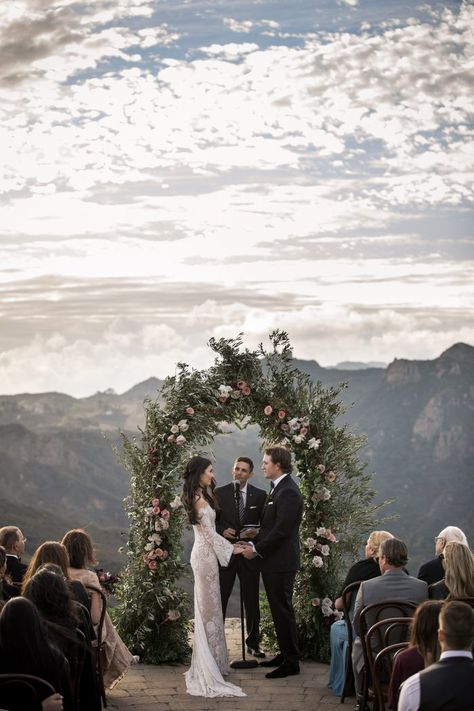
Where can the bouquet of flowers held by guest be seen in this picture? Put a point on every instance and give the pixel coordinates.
(107, 580)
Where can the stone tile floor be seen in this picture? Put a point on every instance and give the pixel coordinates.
(162, 688)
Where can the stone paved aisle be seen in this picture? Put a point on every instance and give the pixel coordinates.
(162, 688)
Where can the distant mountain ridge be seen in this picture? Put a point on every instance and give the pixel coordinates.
(57, 462)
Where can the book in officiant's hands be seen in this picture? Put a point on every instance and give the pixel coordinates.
(248, 531)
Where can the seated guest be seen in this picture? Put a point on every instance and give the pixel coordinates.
(25, 649)
(117, 657)
(394, 584)
(422, 651)
(449, 683)
(12, 539)
(7, 590)
(433, 570)
(53, 552)
(362, 570)
(458, 583)
(50, 593)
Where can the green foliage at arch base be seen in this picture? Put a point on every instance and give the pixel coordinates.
(242, 387)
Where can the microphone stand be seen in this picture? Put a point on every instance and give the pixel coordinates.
(241, 663)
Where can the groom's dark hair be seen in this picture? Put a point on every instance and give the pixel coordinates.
(281, 456)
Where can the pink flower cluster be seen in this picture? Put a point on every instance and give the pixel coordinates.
(153, 552)
(151, 558)
(233, 391)
(176, 431)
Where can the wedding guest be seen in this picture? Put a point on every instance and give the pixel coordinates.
(54, 552)
(13, 540)
(361, 570)
(49, 591)
(394, 584)
(458, 582)
(7, 590)
(25, 648)
(449, 682)
(117, 658)
(433, 570)
(422, 651)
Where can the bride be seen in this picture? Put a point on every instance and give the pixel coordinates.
(209, 660)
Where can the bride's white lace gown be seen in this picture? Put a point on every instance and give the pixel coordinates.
(210, 660)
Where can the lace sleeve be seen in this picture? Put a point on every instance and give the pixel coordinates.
(220, 545)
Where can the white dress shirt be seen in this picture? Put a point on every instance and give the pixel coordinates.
(409, 699)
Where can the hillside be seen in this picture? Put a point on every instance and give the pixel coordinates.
(56, 465)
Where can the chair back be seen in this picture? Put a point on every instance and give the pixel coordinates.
(397, 631)
(348, 595)
(98, 642)
(383, 664)
(23, 691)
(370, 616)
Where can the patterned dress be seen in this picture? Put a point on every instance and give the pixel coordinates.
(209, 660)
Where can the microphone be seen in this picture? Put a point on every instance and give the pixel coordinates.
(237, 492)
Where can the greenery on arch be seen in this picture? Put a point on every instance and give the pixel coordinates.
(243, 387)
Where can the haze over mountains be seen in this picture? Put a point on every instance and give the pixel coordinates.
(58, 469)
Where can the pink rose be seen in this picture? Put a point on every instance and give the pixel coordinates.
(170, 438)
(281, 414)
(223, 398)
(180, 439)
(268, 410)
(330, 476)
(241, 384)
(152, 565)
(246, 390)
(189, 411)
(285, 427)
(160, 553)
(303, 431)
(165, 514)
(155, 502)
(321, 468)
(315, 602)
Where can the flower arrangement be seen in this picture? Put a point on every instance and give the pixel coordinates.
(262, 388)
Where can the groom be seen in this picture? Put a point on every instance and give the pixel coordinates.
(278, 550)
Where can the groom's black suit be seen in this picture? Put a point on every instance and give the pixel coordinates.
(278, 546)
(247, 570)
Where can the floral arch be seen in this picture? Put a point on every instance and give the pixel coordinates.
(242, 387)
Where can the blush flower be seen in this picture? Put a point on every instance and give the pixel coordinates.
(189, 411)
(330, 476)
(321, 468)
(170, 438)
(246, 390)
(315, 601)
(174, 429)
(268, 409)
(318, 561)
(165, 514)
(281, 414)
(325, 550)
(173, 615)
(180, 439)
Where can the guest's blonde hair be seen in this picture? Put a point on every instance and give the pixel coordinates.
(376, 539)
(459, 576)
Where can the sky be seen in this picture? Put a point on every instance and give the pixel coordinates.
(176, 170)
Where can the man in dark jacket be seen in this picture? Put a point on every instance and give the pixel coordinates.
(12, 539)
(278, 549)
(240, 510)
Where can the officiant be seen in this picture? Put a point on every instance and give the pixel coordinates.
(238, 518)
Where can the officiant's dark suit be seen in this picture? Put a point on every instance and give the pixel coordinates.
(278, 549)
(249, 575)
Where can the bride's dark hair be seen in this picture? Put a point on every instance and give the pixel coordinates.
(192, 488)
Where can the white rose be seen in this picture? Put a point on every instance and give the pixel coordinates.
(183, 425)
(180, 439)
(325, 550)
(318, 561)
(310, 542)
(174, 429)
(325, 494)
(321, 531)
(176, 503)
(224, 389)
(298, 439)
(164, 524)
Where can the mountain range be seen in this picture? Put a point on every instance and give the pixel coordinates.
(58, 467)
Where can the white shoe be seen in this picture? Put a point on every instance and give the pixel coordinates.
(135, 659)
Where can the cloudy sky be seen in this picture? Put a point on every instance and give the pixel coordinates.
(173, 170)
